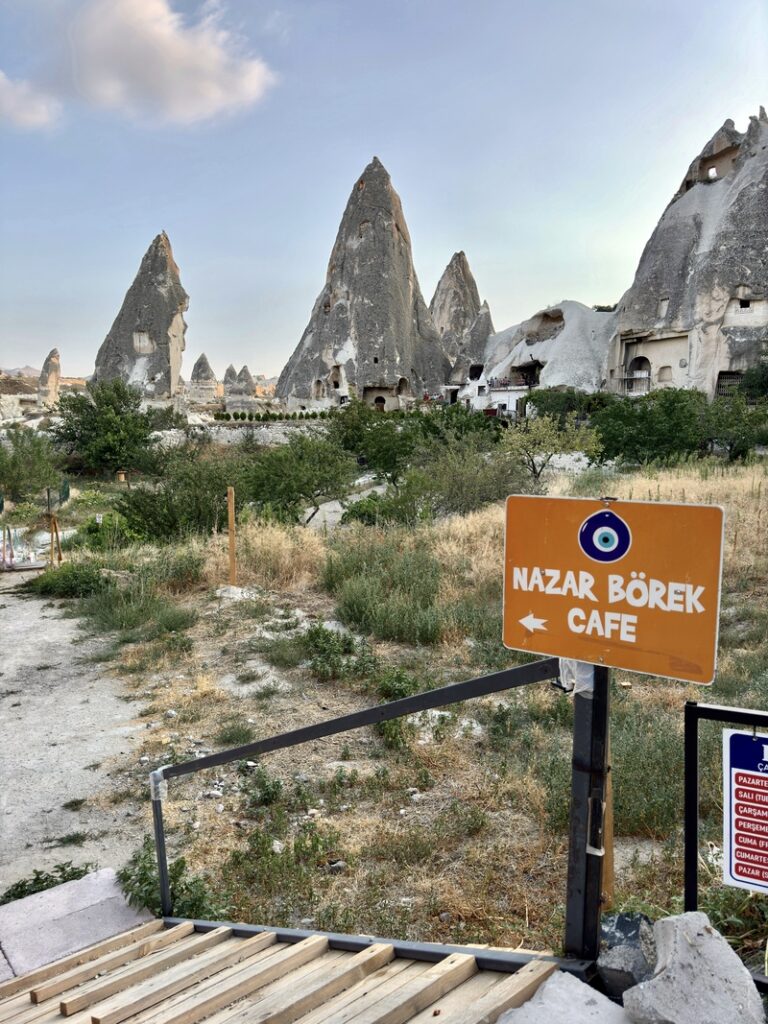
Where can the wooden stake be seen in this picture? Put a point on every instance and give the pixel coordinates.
(608, 869)
(232, 550)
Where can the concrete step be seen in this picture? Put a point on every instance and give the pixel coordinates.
(39, 929)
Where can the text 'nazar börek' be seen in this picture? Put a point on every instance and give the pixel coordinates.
(634, 590)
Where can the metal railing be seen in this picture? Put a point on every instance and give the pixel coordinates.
(694, 713)
(589, 773)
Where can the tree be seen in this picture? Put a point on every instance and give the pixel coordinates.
(298, 475)
(104, 427)
(734, 425)
(534, 442)
(662, 425)
(28, 463)
(754, 384)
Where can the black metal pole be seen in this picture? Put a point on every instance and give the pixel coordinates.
(691, 809)
(158, 787)
(586, 845)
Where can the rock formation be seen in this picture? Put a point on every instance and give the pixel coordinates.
(462, 322)
(146, 341)
(202, 383)
(50, 376)
(230, 379)
(561, 346)
(697, 312)
(246, 385)
(370, 332)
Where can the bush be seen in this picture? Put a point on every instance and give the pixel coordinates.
(70, 580)
(191, 895)
(387, 588)
(28, 463)
(663, 425)
(42, 880)
(112, 532)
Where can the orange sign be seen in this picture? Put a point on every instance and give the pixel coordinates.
(632, 584)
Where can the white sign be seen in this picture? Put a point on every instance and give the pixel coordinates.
(745, 810)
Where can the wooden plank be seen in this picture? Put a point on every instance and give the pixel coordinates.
(473, 1004)
(345, 1006)
(139, 972)
(290, 1000)
(415, 995)
(32, 978)
(179, 978)
(453, 1006)
(144, 947)
(217, 996)
(510, 993)
(33, 1013)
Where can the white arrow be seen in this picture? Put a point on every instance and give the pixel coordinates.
(532, 623)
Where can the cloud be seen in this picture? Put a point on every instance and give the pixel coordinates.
(141, 58)
(25, 106)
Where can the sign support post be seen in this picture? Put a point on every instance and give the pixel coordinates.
(587, 823)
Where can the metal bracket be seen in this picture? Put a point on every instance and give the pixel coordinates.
(158, 786)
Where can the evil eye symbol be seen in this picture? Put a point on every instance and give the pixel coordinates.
(605, 537)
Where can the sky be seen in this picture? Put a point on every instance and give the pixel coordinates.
(542, 137)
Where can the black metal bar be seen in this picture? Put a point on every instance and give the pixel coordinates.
(737, 716)
(431, 952)
(523, 675)
(157, 785)
(585, 863)
(691, 806)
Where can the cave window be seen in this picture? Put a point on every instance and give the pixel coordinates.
(379, 402)
(375, 359)
(745, 303)
(665, 374)
(476, 371)
(712, 173)
(481, 389)
(663, 307)
(403, 386)
(727, 382)
(336, 385)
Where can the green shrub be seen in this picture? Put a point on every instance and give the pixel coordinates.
(42, 880)
(28, 463)
(71, 579)
(191, 895)
(112, 532)
(235, 733)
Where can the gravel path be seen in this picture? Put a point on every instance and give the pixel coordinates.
(61, 716)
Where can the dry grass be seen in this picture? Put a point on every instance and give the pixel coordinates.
(268, 555)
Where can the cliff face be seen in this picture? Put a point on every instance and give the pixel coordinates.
(370, 327)
(145, 344)
(699, 301)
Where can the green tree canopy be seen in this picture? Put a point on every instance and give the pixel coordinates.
(662, 425)
(28, 463)
(104, 427)
(535, 441)
(733, 425)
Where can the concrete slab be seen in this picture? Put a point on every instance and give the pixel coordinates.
(49, 925)
(5, 969)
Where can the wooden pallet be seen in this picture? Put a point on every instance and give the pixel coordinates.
(158, 975)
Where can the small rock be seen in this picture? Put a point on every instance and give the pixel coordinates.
(213, 794)
(219, 808)
(143, 760)
(402, 812)
(277, 846)
(171, 714)
(195, 825)
(338, 867)
(445, 917)
(307, 922)
(313, 812)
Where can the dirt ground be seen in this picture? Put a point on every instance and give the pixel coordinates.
(63, 719)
